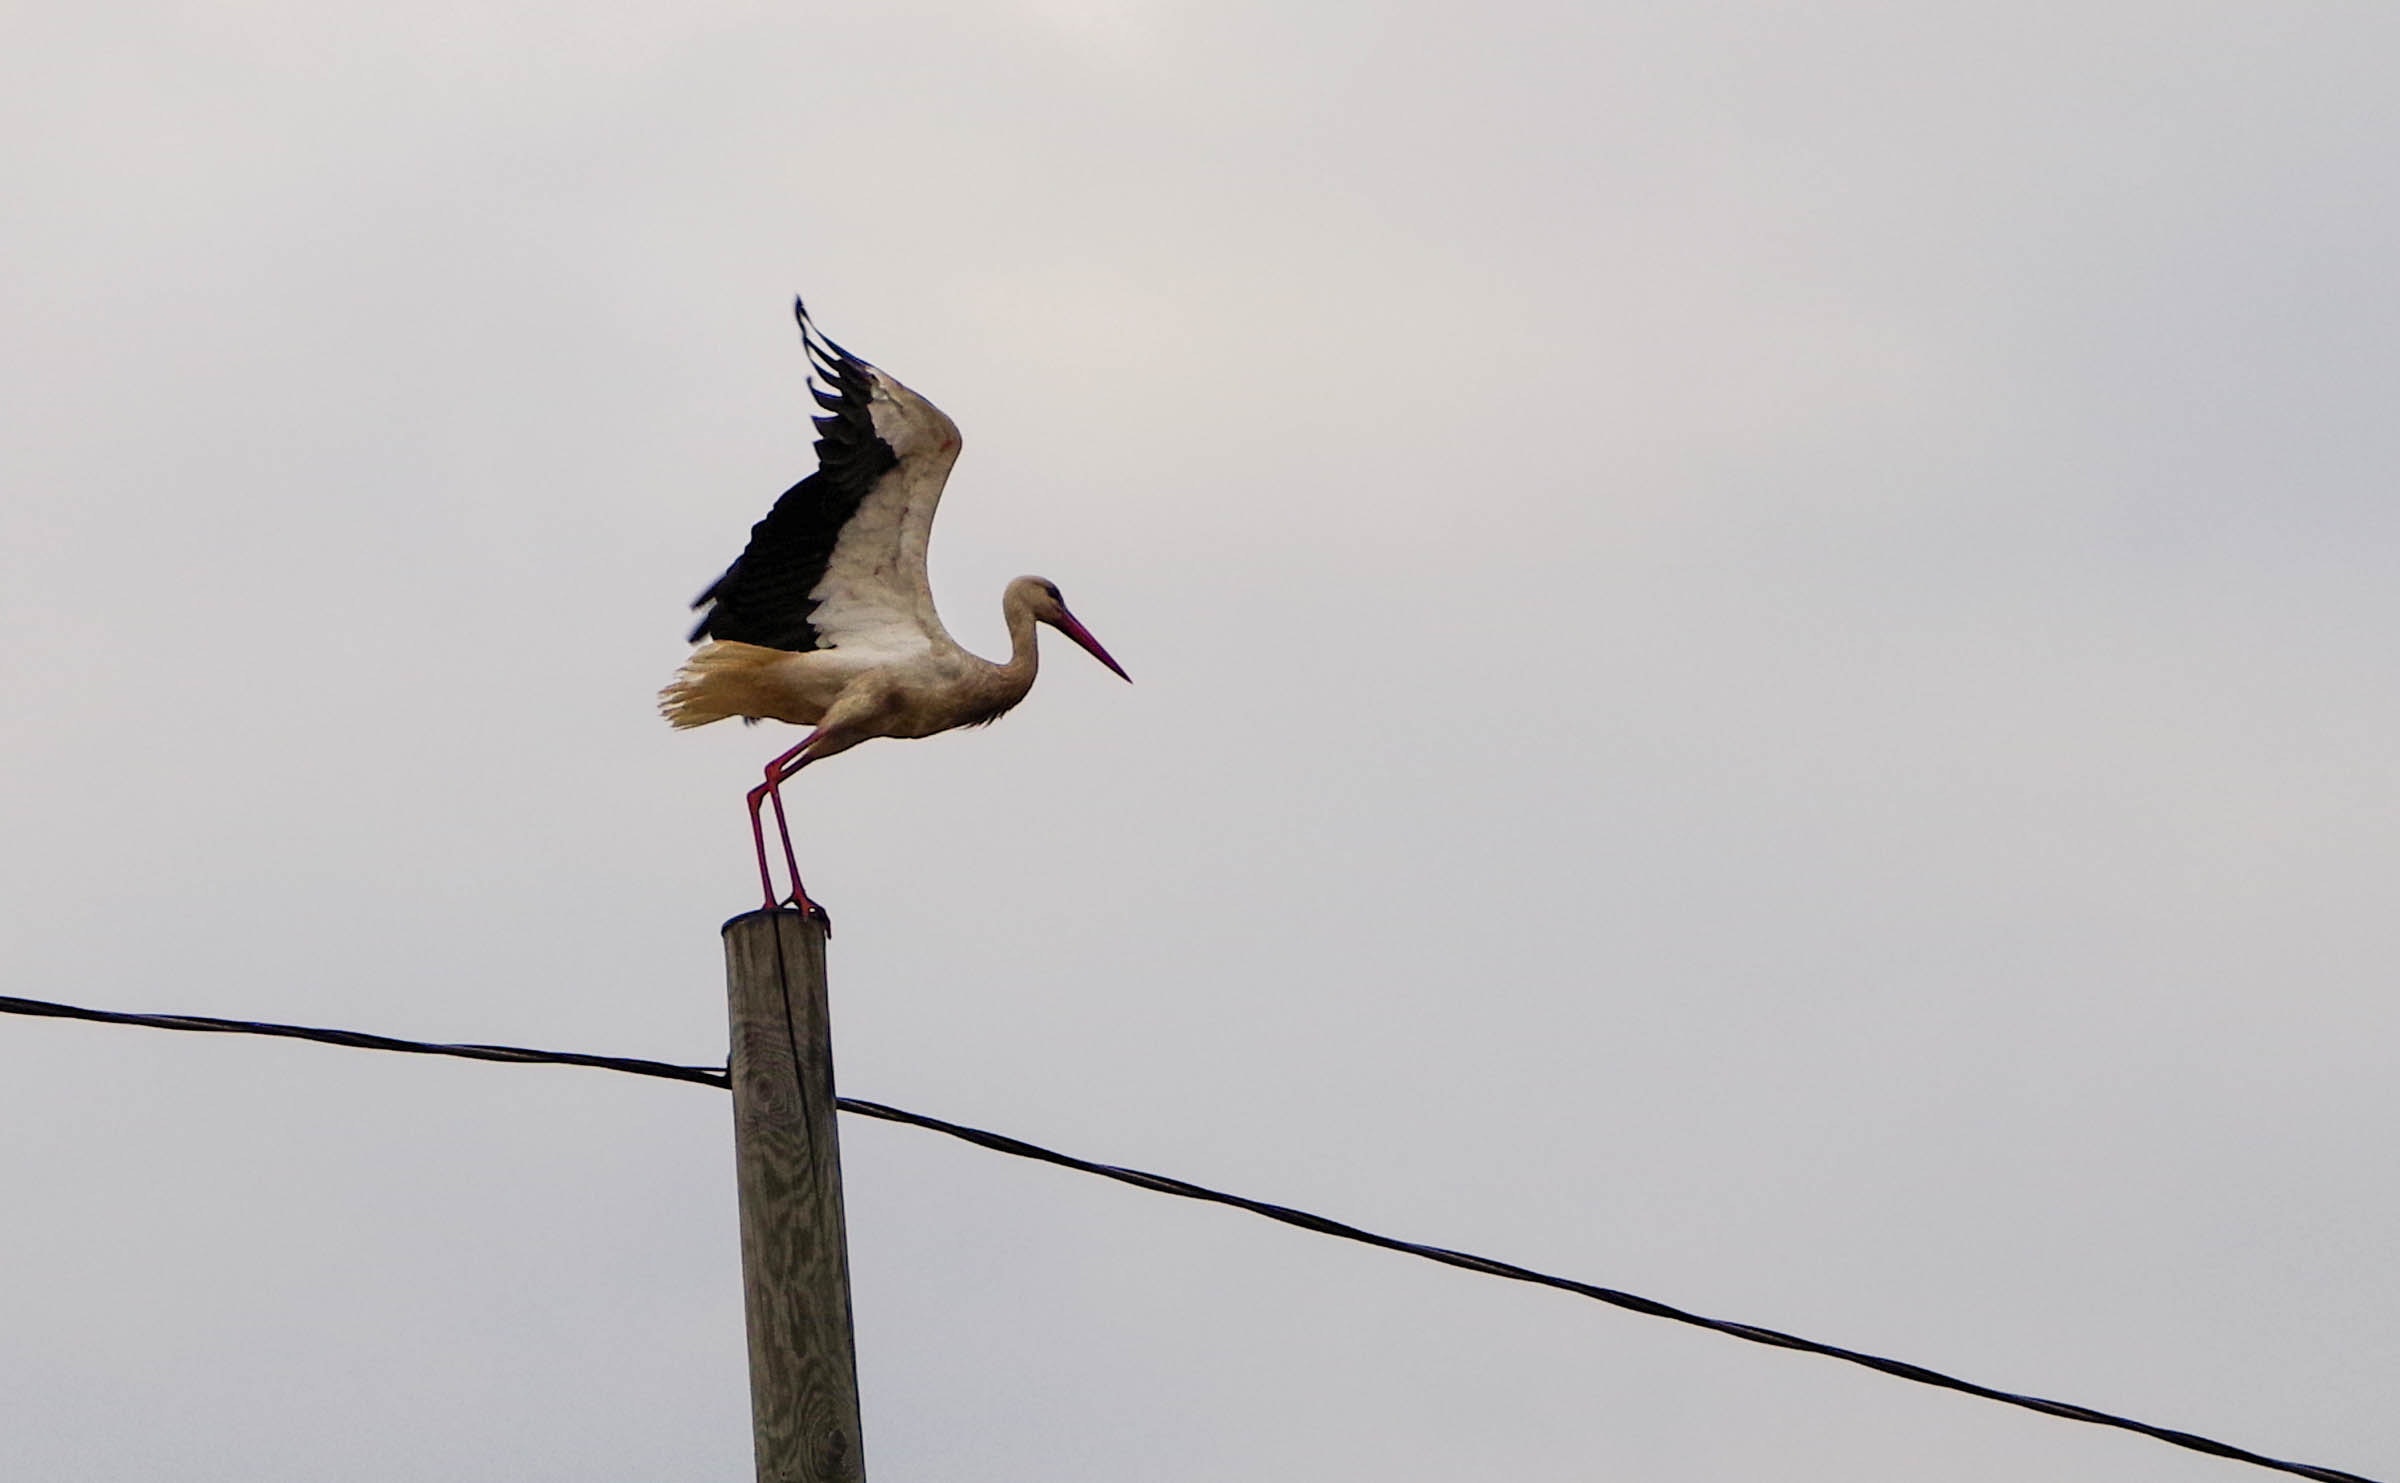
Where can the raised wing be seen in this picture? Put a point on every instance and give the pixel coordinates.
(839, 562)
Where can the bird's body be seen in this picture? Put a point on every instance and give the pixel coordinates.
(937, 688)
(827, 619)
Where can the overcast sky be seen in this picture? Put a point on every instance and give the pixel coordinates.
(1764, 649)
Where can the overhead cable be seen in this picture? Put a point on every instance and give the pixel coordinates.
(1168, 1185)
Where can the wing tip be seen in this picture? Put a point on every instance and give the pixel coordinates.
(821, 345)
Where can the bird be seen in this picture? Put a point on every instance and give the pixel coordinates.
(826, 619)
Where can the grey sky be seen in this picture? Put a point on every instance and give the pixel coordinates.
(1763, 639)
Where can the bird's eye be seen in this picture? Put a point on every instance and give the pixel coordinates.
(1052, 589)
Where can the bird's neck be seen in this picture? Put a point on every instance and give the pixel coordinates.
(1024, 654)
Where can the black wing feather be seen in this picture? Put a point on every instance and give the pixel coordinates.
(763, 597)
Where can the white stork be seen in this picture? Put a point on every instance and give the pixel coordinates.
(826, 620)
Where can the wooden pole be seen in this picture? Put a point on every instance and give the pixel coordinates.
(795, 1256)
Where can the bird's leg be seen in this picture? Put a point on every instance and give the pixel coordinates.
(777, 772)
(758, 839)
(798, 898)
(783, 830)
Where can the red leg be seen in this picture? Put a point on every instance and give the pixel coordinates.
(758, 839)
(783, 829)
(777, 773)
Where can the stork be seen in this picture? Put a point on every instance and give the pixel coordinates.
(826, 619)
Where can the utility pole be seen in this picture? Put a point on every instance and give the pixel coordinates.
(795, 1255)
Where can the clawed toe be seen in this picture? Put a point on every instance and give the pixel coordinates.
(809, 909)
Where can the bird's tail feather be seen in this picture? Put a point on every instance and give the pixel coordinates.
(720, 679)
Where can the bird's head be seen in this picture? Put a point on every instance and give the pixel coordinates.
(1040, 597)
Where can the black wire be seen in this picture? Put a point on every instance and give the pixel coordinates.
(359, 1040)
(1168, 1185)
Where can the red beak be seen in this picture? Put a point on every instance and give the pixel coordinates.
(1083, 636)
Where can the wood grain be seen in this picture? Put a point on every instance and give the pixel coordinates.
(795, 1254)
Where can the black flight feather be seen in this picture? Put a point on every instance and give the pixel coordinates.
(763, 597)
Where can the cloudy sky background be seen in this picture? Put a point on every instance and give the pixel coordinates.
(1764, 649)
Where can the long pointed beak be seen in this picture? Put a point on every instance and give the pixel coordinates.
(1083, 636)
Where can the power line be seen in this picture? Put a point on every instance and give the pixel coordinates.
(360, 1040)
(1168, 1185)
(1488, 1266)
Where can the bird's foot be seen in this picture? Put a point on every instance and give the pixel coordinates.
(807, 908)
